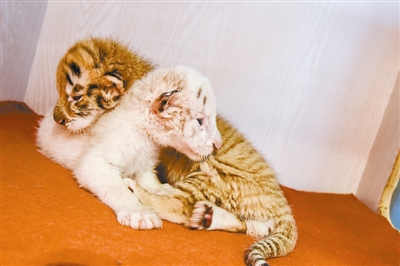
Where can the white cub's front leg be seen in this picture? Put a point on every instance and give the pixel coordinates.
(106, 183)
(207, 215)
(139, 218)
(143, 219)
(131, 184)
(135, 214)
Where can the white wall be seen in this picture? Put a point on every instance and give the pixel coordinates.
(21, 23)
(308, 83)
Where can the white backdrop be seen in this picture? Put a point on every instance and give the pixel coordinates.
(308, 83)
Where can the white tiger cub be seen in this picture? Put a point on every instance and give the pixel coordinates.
(164, 109)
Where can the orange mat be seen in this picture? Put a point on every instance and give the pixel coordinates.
(46, 219)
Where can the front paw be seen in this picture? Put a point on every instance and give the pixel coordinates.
(201, 216)
(138, 218)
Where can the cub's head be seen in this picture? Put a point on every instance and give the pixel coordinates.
(91, 78)
(184, 109)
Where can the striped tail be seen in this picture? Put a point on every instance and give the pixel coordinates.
(280, 242)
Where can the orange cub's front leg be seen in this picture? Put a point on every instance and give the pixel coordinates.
(171, 208)
(177, 208)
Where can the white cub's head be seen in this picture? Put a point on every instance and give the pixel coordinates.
(183, 108)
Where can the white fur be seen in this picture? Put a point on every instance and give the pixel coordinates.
(259, 229)
(76, 124)
(58, 143)
(125, 142)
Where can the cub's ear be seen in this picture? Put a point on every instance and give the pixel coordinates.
(110, 83)
(112, 89)
(162, 102)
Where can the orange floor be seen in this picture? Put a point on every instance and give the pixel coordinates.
(46, 219)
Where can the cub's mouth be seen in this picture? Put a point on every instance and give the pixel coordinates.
(76, 122)
(79, 125)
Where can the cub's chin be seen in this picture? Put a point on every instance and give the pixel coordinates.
(200, 155)
(81, 124)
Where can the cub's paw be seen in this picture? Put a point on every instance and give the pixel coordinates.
(201, 216)
(138, 218)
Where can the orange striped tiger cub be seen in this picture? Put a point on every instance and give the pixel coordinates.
(91, 77)
(234, 190)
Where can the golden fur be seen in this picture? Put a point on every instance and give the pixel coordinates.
(237, 179)
(91, 77)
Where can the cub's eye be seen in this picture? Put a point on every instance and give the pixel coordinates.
(200, 121)
(77, 97)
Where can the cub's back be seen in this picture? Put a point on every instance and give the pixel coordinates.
(243, 175)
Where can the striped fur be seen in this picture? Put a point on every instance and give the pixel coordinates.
(237, 179)
(91, 77)
(160, 110)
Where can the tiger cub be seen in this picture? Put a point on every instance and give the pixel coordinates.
(91, 77)
(232, 190)
(102, 90)
(163, 109)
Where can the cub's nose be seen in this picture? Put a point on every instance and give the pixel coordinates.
(216, 137)
(217, 143)
(58, 116)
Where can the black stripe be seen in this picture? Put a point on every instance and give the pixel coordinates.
(102, 54)
(77, 88)
(115, 73)
(69, 80)
(75, 69)
(99, 103)
(91, 88)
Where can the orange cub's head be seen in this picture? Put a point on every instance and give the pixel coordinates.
(91, 78)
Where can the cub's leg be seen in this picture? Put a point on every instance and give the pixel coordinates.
(212, 217)
(172, 208)
(207, 215)
(106, 183)
(150, 182)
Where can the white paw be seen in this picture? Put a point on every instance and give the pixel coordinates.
(201, 216)
(138, 218)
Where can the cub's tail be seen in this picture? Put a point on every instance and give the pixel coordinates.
(280, 242)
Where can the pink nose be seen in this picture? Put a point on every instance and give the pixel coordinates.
(217, 144)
